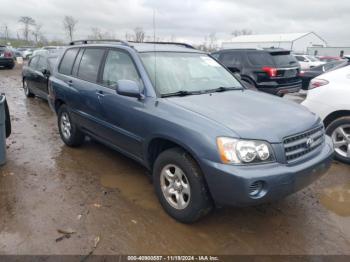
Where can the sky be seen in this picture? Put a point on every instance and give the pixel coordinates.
(184, 20)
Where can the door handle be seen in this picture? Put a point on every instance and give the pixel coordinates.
(70, 82)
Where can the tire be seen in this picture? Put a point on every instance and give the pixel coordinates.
(339, 131)
(69, 132)
(180, 164)
(26, 89)
(10, 66)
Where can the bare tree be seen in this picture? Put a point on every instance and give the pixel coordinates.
(27, 22)
(69, 24)
(239, 32)
(96, 33)
(99, 34)
(5, 32)
(128, 37)
(37, 33)
(212, 41)
(139, 34)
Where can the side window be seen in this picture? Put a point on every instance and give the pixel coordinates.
(67, 61)
(300, 58)
(33, 62)
(232, 60)
(41, 63)
(119, 66)
(90, 63)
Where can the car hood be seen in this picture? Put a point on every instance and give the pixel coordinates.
(250, 114)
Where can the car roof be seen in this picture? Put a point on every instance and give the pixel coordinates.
(150, 47)
(139, 47)
(264, 50)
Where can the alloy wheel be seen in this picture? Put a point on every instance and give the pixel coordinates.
(175, 186)
(341, 140)
(66, 126)
(26, 88)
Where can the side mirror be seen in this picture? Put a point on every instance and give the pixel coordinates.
(128, 88)
(45, 72)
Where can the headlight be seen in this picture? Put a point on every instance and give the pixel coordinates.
(237, 151)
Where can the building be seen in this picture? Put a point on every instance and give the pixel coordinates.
(297, 42)
(328, 51)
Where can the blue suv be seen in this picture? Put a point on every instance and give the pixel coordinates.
(206, 139)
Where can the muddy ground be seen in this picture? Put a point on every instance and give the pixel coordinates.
(96, 192)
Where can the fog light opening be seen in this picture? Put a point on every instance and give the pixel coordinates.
(256, 189)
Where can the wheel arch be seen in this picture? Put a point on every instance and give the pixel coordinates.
(159, 144)
(335, 115)
(58, 103)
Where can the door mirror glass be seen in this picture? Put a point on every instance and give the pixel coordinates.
(128, 88)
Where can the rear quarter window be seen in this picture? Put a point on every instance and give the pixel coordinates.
(283, 59)
(260, 59)
(68, 61)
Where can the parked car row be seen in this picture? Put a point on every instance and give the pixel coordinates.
(307, 61)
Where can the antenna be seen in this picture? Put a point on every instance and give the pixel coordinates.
(154, 48)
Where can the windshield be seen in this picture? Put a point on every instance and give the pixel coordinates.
(172, 72)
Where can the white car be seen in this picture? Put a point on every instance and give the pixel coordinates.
(307, 61)
(329, 97)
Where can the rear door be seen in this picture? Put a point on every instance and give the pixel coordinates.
(30, 73)
(40, 79)
(87, 105)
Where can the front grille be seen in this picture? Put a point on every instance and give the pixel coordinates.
(301, 144)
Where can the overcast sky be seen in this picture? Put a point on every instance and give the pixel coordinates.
(185, 20)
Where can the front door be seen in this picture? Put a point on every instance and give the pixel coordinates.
(122, 115)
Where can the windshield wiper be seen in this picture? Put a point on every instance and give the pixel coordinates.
(222, 89)
(180, 93)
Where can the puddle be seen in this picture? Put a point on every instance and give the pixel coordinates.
(136, 188)
(337, 200)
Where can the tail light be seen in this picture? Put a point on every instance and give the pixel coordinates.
(271, 71)
(7, 54)
(317, 83)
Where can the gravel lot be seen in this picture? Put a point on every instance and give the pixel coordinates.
(100, 194)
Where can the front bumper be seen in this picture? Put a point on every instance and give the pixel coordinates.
(230, 185)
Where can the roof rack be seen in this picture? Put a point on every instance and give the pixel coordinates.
(92, 41)
(165, 43)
